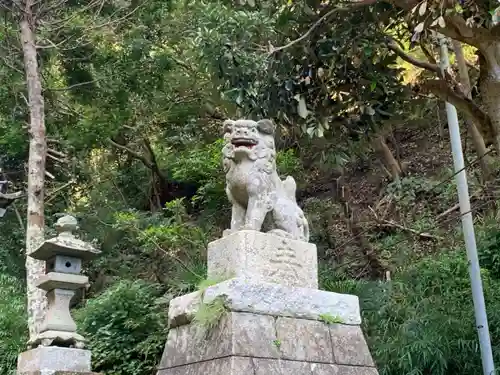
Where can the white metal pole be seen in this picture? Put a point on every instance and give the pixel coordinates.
(468, 227)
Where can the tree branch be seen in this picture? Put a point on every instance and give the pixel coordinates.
(320, 21)
(71, 87)
(392, 224)
(418, 63)
(12, 196)
(51, 195)
(19, 217)
(133, 153)
(457, 29)
(442, 90)
(152, 156)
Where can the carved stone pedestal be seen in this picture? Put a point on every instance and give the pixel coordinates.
(54, 360)
(267, 328)
(258, 256)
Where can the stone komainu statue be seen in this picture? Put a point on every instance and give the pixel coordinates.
(252, 182)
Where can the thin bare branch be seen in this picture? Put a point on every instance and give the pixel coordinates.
(12, 196)
(55, 152)
(133, 153)
(19, 217)
(56, 158)
(393, 224)
(72, 86)
(319, 22)
(406, 57)
(51, 195)
(10, 64)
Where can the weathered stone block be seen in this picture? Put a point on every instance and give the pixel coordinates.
(280, 300)
(219, 366)
(304, 340)
(236, 334)
(261, 366)
(349, 346)
(326, 369)
(265, 257)
(182, 309)
(51, 359)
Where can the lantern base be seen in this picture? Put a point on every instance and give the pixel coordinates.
(53, 360)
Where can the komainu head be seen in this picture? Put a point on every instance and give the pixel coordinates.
(248, 139)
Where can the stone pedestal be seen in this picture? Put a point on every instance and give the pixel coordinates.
(263, 257)
(267, 328)
(53, 360)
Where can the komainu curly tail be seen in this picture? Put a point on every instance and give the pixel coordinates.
(290, 187)
(305, 226)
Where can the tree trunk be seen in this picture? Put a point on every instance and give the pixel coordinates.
(490, 89)
(477, 138)
(389, 160)
(37, 302)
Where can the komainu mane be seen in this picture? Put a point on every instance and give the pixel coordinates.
(252, 182)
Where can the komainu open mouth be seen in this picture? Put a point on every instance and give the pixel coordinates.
(244, 142)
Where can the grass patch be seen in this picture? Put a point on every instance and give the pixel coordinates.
(209, 314)
(330, 319)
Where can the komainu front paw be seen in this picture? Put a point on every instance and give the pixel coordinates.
(281, 233)
(248, 227)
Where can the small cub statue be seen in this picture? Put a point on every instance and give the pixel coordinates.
(253, 185)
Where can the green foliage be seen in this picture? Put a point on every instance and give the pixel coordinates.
(158, 81)
(338, 282)
(209, 314)
(277, 344)
(488, 237)
(207, 283)
(162, 243)
(288, 163)
(125, 327)
(328, 318)
(13, 323)
(423, 321)
(408, 189)
(11, 255)
(203, 165)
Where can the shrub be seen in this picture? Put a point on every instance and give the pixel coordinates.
(423, 321)
(13, 323)
(488, 236)
(126, 328)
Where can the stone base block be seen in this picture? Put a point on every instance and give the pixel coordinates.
(264, 257)
(256, 344)
(59, 373)
(262, 366)
(53, 360)
(268, 299)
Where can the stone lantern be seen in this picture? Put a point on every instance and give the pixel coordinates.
(57, 345)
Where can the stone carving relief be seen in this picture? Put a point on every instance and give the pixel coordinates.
(253, 185)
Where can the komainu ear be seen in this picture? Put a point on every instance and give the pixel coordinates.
(266, 126)
(227, 126)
